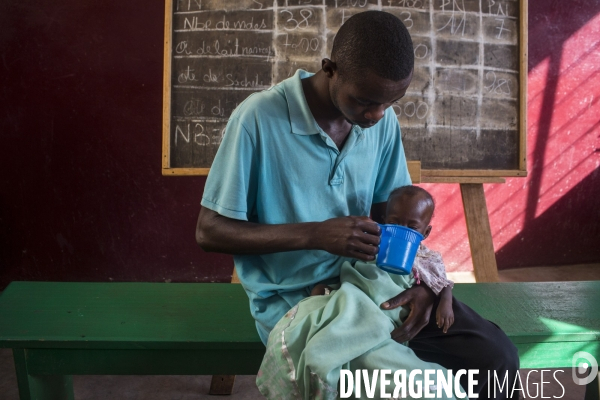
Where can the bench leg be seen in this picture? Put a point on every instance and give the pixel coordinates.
(40, 387)
(592, 390)
(222, 384)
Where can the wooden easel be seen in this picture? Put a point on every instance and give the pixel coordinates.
(478, 229)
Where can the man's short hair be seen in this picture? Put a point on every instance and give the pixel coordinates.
(376, 41)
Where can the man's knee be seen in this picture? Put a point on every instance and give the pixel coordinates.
(501, 353)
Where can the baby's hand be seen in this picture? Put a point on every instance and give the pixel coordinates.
(319, 290)
(444, 316)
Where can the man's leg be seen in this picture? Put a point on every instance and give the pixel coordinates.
(471, 343)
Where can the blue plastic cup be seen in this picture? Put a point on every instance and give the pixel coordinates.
(398, 248)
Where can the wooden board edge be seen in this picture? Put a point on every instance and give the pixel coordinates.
(471, 173)
(417, 174)
(414, 170)
(523, 73)
(166, 123)
(234, 276)
(464, 179)
(185, 171)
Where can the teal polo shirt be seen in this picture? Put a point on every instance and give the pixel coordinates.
(275, 165)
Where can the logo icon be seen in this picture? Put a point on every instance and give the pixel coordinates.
(582, 362)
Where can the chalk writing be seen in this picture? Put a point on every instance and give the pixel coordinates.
(501, 28)
(466, 67)
(294, 22)
(198, 134)
(498, 86)
(187, 76)
(411, 109)
(351, 3)
(188, 5)
(406, 3)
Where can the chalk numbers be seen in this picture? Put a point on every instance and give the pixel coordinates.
(421, 51)
(408, 22)
(498, 86)
(297, 22)
(406, 3)
(412, 109)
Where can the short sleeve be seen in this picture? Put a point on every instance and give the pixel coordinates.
(230, 188)
(393, 171)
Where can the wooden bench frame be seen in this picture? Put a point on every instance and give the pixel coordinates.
(57, 330)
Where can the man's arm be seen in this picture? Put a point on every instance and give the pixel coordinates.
(356, 237)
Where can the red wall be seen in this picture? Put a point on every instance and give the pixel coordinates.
(553, 216)
(81, 192)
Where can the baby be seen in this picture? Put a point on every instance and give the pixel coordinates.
(413, 207)
(347, 328)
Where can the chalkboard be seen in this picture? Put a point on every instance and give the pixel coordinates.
(463, 115)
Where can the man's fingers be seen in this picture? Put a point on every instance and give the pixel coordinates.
(367, 239)
(396, 302)
(361, 256)
(402, 334)
(366, 248)
(367, 225)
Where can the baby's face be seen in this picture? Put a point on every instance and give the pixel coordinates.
(414, 212)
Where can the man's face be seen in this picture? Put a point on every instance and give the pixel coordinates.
(414, 212)
(363, 100)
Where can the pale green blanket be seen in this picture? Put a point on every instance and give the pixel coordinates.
(344, 330)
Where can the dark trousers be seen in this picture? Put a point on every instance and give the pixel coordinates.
(471, 343)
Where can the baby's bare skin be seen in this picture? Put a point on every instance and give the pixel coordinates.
(444, 316)
(319, 289)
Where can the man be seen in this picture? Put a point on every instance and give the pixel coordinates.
(301, 166)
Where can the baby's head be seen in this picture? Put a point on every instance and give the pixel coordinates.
(410, 206)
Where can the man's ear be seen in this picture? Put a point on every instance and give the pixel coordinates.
(329, 67)
(427, 232)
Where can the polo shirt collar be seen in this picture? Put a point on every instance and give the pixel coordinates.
(302, 120)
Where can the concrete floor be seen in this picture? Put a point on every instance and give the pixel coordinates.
(196, 387)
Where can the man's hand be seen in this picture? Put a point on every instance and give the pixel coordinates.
(420, 299)
(356, 237)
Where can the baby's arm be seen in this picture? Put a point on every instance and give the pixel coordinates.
(444, 316)
(431, 268)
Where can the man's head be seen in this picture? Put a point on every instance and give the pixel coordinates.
(371, 66)
(374, 41)
(410, 206)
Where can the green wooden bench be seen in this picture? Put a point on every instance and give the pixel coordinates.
(57, 330)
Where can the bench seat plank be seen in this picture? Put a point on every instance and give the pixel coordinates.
(62, 329)
(538, 312)
(126, 316)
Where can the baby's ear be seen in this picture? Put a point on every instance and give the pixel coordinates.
(427, 232)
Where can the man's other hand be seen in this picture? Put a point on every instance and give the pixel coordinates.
(420, 300)
(356, 237)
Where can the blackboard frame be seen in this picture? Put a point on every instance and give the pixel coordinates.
(427, 175)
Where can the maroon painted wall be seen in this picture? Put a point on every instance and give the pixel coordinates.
(81, 192)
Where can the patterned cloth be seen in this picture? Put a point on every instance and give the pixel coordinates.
(429, 267)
